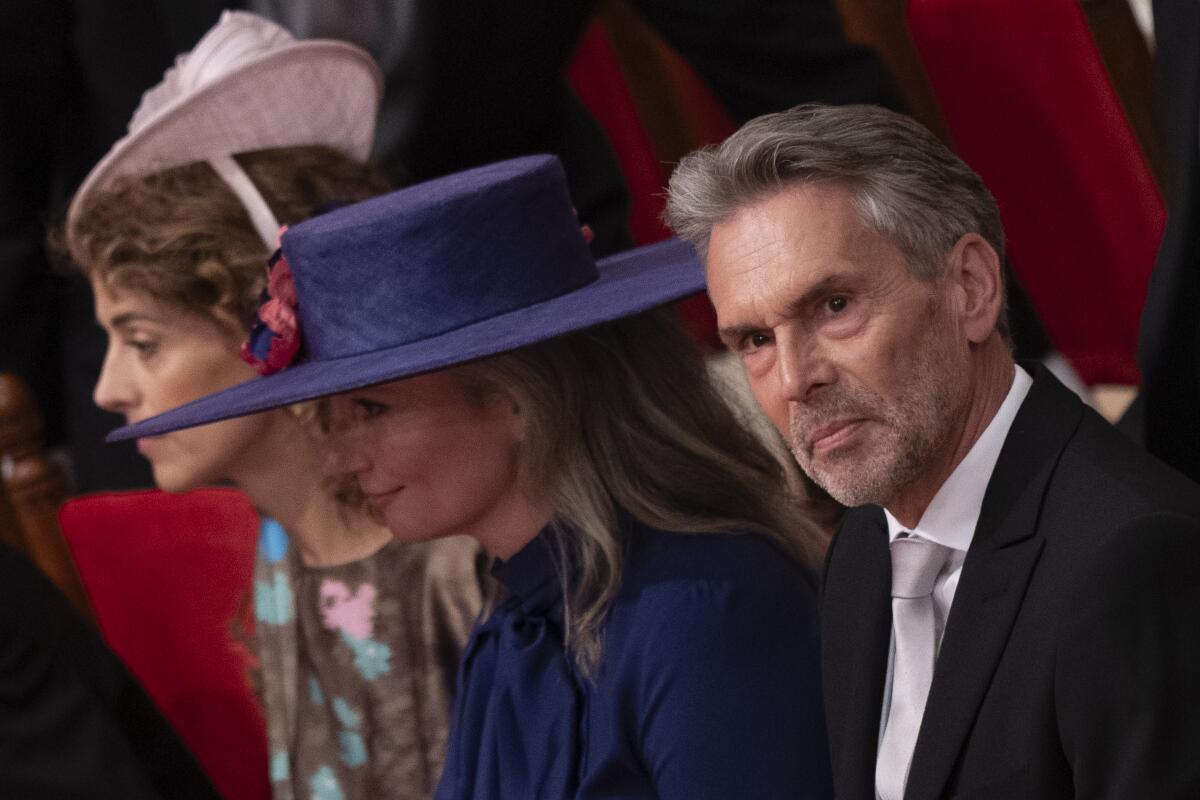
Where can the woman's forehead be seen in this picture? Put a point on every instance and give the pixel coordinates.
(432, 386)
(116, 304)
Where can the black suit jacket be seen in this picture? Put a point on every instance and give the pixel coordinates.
(1070, 665)
(73, 722)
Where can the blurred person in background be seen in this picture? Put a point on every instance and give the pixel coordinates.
(1166, 415)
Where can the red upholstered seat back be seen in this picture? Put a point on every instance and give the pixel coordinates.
(596, 76)
(165, 575)
(1031, 109)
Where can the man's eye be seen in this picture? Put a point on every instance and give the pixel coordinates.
(837, 303)
(756, 340)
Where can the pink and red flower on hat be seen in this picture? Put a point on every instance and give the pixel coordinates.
(274, 341)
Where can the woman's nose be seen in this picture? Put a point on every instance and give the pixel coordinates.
(344, 452)
(114, 390)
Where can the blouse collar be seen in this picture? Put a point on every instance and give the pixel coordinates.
(531, 575)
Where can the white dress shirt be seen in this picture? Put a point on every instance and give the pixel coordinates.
(953, 513)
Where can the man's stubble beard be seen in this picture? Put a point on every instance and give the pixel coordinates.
(911, 430)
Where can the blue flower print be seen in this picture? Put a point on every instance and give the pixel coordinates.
(273, 601)
(325, 786)
(281, 769)
(314, 691)
(354, 749)
(272, 540)
(345, 714)
(371, 657)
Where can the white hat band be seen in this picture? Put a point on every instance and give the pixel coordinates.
(256, 206)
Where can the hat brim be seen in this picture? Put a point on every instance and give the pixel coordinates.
(631, 282)
(313, 92)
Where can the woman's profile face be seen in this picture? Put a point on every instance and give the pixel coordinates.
(432, 461)
(160, 357)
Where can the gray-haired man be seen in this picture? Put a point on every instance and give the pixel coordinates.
(1013, 610)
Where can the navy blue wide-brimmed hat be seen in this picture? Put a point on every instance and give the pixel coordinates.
(441, 273)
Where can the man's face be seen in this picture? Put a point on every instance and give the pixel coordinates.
(862, 367)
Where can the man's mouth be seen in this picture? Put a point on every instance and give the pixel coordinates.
(833, 434)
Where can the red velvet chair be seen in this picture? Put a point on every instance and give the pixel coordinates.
(1031, 108)
(166, 576)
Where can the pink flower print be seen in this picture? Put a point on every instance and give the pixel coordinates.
(352, 613)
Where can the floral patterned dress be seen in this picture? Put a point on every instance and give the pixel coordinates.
(358, 664)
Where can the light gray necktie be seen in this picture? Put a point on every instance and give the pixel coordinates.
(915, 566)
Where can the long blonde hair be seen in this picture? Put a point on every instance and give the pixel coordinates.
(622, 419)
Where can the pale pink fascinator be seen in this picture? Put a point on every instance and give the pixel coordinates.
(247, 85)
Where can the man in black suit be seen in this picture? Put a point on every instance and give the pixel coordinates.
(1012, 608)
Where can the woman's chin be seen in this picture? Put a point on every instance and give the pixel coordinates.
(403, 530)
(174, 480)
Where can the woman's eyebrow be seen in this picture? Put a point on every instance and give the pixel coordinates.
(129, 317)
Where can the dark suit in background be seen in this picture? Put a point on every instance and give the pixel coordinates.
(1070, 665)
(1167, 414)
(73, 722)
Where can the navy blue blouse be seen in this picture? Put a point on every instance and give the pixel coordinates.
(708, 685)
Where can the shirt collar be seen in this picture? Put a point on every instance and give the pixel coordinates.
(952, 514)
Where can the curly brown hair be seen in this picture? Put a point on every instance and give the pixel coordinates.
(183, 237)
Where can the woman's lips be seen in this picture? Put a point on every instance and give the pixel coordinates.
(381, 499)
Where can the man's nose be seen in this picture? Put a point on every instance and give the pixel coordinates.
(803, 365)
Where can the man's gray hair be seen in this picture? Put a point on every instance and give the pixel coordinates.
(904, 183)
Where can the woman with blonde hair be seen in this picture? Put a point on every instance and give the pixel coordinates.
(357, 634)
(654, 635)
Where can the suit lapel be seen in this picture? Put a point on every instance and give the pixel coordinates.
(856, 643)
(993, 581)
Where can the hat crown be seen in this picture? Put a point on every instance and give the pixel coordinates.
(237, 38)
(435, 257)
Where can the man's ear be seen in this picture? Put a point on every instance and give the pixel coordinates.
(974, 267)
